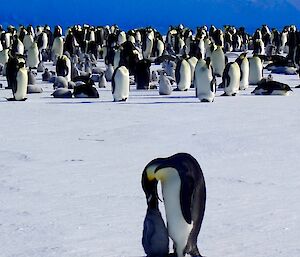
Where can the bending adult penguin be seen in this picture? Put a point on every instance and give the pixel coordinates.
(184, 193)
(255, 70)
(17, 78)
(183, 75)
(243, 62)
(231, 79)
(205, 82)
(120, 84)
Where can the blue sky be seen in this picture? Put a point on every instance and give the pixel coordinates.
(158, 13)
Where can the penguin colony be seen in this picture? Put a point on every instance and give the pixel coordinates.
(185, 60)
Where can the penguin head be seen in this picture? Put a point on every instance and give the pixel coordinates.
(149, 184)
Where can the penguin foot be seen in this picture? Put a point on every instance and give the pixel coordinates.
(224, 94)
(13, 99)
(176, 89)
(297, 86)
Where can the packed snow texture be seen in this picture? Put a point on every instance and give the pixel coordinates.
(71, 170)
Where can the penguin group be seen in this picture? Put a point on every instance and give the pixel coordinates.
(85, 56)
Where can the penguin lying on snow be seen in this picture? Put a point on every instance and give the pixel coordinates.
(85, 90)
(270, 87)
(62, 93)
(184, 193)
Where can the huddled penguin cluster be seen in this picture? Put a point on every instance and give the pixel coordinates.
(184, 59)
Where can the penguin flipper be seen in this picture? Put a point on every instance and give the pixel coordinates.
(186, 195)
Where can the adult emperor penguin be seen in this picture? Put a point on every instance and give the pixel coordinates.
(57, 47)
(231, 79)
(120, 84)
(63, 67)
(218, 61)
(183, 75)
(184, 194)
(243, 62)
(192, 62)
(17, 78)
(255, 70)
(33, 56)
(204, 82)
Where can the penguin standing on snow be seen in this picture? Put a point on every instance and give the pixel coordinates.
(17, 78)
(120, 84)
(255, 70)
(165, 87)
(184, 194)
(183, 75)
(63, 67)
(142, 74)
(243, 62)
(218, 61)
(205, 82)
(231, 79)
(33, 56)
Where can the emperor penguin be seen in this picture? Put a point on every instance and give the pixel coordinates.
(218, 61)
(17, 78)
(27, 41)
(155, 234)
(183, 75)
(205, 82)
(160, 47)
(120, 84)
(255, 70)
(33, 56)
(148, 44)
(231, 79)
(63, 67)
(57, 47)
(243, 62)
(165, 87)
(192, 62)
(184, 194)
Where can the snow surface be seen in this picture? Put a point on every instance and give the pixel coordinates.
(71, 170)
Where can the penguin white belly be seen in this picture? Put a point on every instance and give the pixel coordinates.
(149, 46)
(179, 230)
(160, 48)
(218, 61)
(203, 79)
(185, 76)
(68, 63)
(117, 59)
(28, 41)
(33, 56)
(244, 82)
(192, 62)
(121, 80)
(4, 56)
(58, 47)
(234, 74)
(22, 82)
(255, 70)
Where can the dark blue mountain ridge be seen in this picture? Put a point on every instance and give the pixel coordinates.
(156, 13)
